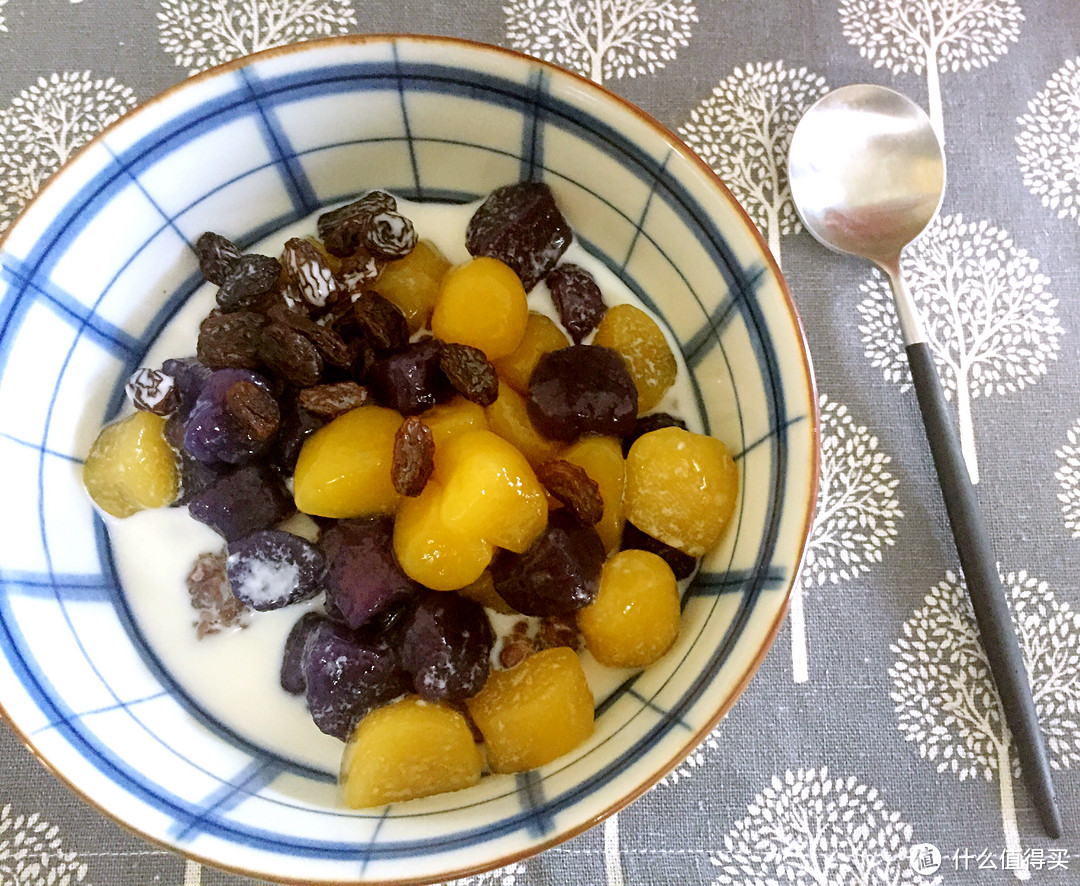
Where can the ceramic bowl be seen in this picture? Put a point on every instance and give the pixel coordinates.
(102, 259)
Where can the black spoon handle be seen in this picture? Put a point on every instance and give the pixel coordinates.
(984, 588)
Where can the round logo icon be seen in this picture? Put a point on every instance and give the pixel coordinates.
(925, 858)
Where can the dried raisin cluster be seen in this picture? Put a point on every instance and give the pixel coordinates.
(455, 451)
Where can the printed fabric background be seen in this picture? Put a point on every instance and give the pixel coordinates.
(872, 728)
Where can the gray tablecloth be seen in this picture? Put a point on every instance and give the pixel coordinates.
(869, 730)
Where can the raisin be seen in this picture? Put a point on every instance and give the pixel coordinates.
(362, 358)
(251, 277)
(212, 597)
(517, 646)
(357, 270)
(330, 401)
(414, 456)
(521, 226)
(216, 255)
(573, 488)
(152, 390)
(230, 341)
(255, 410)
(338, 315)
(330, 345)
(654, 421)
(290, 356)
(469, 372)
(577, 298)
(514, 652)
(391, 235)
(381, 322)
(343, 230)
(559, 630)
(309, 271)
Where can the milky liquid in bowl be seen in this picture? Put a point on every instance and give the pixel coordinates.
(233, 676)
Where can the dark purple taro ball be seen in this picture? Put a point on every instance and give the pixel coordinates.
(521, 226)
(292, 674)
(410, 380)
(243, 501)
(577, 298)
(559, 573)
(446, 645)
(347, 674)
(582, 389)
(271, 568)
(364, 577)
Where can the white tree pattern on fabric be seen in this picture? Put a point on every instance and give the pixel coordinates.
(743, 131)
(202, 33)
(931, 36)
(32, 853)
(1068, 475)
(602, 39)
(989, 315)
(192, 873)
(856, 516)
(507, 876)
(3, 26)
(1049, 142)
(696, 760)
(45, 124)
(945, 700)
(811, 828)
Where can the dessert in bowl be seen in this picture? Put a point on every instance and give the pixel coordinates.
(101, 268)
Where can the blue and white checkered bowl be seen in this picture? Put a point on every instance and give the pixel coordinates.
(101, 261)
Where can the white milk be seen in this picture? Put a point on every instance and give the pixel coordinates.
(233, 675)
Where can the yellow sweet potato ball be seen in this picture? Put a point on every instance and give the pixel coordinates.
(681, 488)
(634, 619)
(534, 712)
(407, 749)
(131, 466)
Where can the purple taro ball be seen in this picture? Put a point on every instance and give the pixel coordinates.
(446, 646)
(243, 501)
(292, 674)
(559, 573)
(270, 569)
(583, 389)
(522, 227)
(346, 675)
(365, 578)
(212, 432)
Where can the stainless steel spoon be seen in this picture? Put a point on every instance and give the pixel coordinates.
(867, 175)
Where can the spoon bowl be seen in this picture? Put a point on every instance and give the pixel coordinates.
(867, 172)
(867, 175)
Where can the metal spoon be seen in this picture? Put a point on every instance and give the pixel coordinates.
(867, 175)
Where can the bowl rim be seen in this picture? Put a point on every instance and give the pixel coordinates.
(813, 417)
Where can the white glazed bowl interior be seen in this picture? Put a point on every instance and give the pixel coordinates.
(102, 259)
